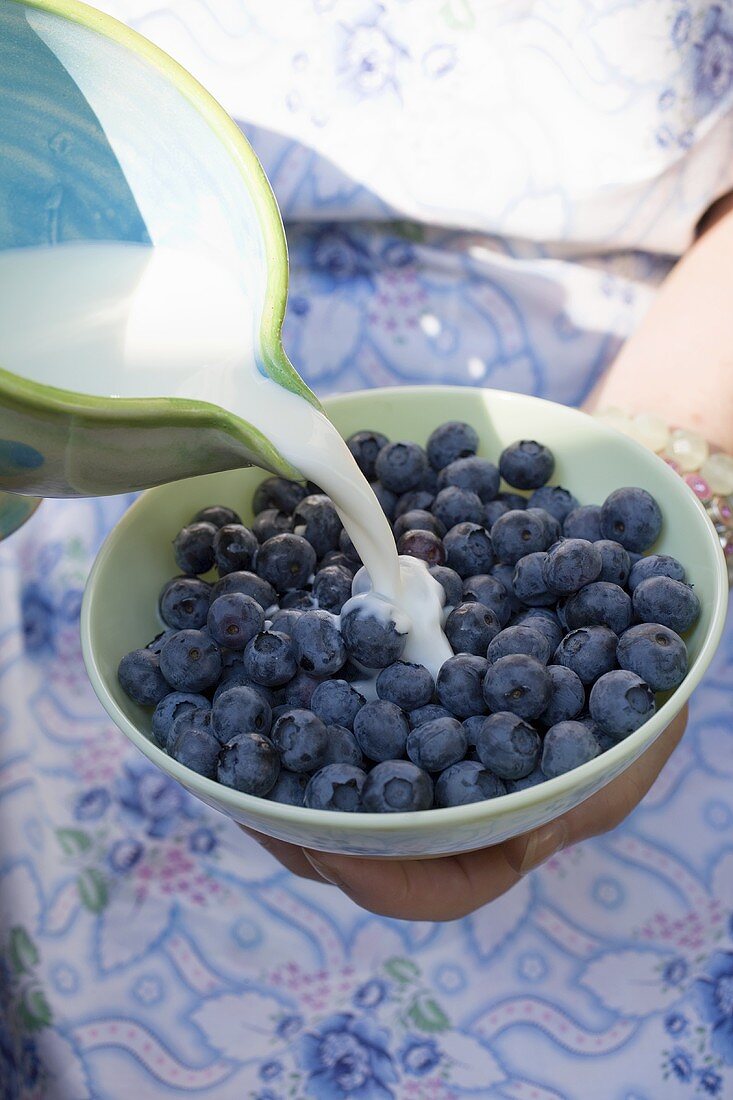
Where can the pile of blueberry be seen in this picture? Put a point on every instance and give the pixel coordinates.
(562, 633)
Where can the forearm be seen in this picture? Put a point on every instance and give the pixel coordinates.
(679, 362)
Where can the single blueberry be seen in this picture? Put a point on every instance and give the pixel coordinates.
(299, 599)
(319, 647)
(191, 661)
(235, 548)
(397, 786)
(435, 745)
(620, 702)
(518, 683)
(365, 446)
(589, 651)
(317, 521)
(632, 517)
(505, 574)
(466, 782)
(469, 550)
(417, 520)
(248, 583)
(460, 685)
(555, 500)
(453, 506)
(271, 522)
(526, 464)
(279, 493)
(567, 745)
(427, 713)
(240, 710)
(476, 474)
(287, 562)
(470, 628)
(599, 604)
(347, 548)
(615, 562)
(299, 691)
(172, 707)
(522, 638)
(400, 466)
(336, 787)
(332, 588)
(371, 637)
(218, 514)
(534, 778)
(250, 764)
(343, 748)
(655, 565)
(567, 697)
(516, 534)
(493, 510)
(236, 676)
(451, 583)
(423, 545)
(528, 581)
(655, 653)
(193, 548)
(194, 745)
(417, 500)
(269, 658)
(301, 739)
(571, 564)
(184, 603)
(337, 703)
(583, 522)
(284, 620)
(553, 528)
(666, 601)
(491, 591)
(406, 684)
(233, 619)
(338, 558)
(514, 501)
(544, 620)
(507, 745)
(289, 789)
(387, 499)
(159, 641)
(381, 730)
(451, 441)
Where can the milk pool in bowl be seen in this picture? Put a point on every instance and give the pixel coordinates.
(591, 460)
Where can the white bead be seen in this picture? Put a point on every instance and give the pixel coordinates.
(616, 418)
(718, 472)
(688, 449)
(652, 431)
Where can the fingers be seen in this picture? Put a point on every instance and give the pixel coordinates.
(289, 855)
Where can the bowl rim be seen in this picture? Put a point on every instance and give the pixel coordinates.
(474, 813)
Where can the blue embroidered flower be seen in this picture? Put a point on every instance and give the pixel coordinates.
(675, 1023)
(681, 1065)
(398, 254)
(711, 1082)
(370, 58)
(675, 972)
(348, 1057)
(39, 620)
(268, 1070)
(681, 27)
(714, 65)
(714, 994)
(289, 1026)
(70, 606)
(370, 994)
(337, 256)
(124, 854)
(202, 841)
(91, 804)
(150, 799)
(419, 1056)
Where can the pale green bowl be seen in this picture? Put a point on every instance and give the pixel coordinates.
(119, 610)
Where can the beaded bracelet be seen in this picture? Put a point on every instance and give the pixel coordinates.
(707, 471)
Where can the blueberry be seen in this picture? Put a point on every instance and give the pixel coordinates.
(300, 599)
(397, 786)
(429, 481)
(567, 697)
(271, 522)
(387, 499)
(666, 601)
(287, 562)
(237, 677)
(567, 745)
(240, 710)
(417, 500)
(518, 683)
(476, 474)
(615, 562)
(337, 703)
(555, 500)
(514, 501)
(620, 702)
(381, 730)
(235, 548)
(632, 517)
(365, 446)
(436, 745)
(347, 548)
(656, 565)
(460, 685)
(505, 574)
(269, 658)
(423, 545)
(428, 713)
(571, 564)
(493, 510)
(278, 492)
(370, 638)
(193, 744)
(526, 464)
(553, 528)
(191, 661)
(451, 441)
(343, 748)
(319, 647)
(516, 534)
(159, 641)
(507, 745)
(250, 764)
(544, 620)
(233, 619)
(417, 520)
(465, 782)
(489, 590)
(406, 684)
(470, 627)
(589, 652)
(655, 653)
(299, 691)
(284, 620)
(193, 548)
(248, 583)
(184, 603)
(289, 789)
(217, 514)
(468, 549)
(400, 466)
(336, 787)
(339, 559)
(583, 522)
(172, 707)
(528, 581)
(317, 521)
(451, 583)
(599, 604)
(522, 638)
(301, 738)
(332, 588)
(534, 778)
(454, 505)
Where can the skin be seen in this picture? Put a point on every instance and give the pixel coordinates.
(678, 364)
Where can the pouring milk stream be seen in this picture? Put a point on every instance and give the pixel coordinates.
(129, 320)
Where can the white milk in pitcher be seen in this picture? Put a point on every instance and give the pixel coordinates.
(114, 319)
